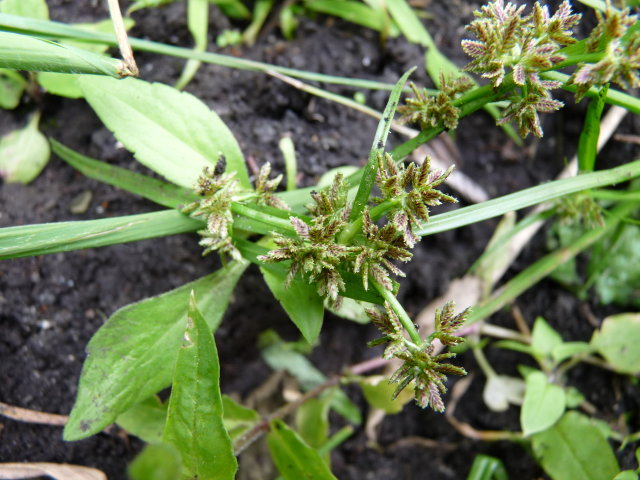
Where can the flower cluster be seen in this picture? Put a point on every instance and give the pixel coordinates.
(525, 45)
(434, 110)
(410, 192)
(420, 365)
(621, 59)
(218, 190)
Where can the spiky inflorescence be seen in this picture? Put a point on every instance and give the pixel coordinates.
(420, 365)
(314, 251)
(412, 190)
(265, 188)
(580, 208)
(507, 42)
(374, 258)
(436, 110)
(218, 190)
(621, 59)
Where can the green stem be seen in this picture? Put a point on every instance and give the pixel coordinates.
(278, 224)
(402, 314)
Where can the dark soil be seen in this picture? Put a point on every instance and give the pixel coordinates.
(50, 306)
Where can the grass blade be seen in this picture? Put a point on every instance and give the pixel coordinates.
(45, 238)
(23, 52)
(588, 143)
(379, 141)
(162, 193)
(526, 198)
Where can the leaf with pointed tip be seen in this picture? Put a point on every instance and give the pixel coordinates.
(294, 458)
(194, 417)
(169, 131)
(300, 300)
(132, 356)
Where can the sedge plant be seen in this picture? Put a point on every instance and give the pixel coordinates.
(314, 247)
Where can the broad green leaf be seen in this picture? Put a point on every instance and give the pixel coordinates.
(378, 392)
(544, 339)
(351, 11)
(568, 349)
(194, 417)
(132, 356)
(145, 420)
(575, 448)
(619, 282)
(23, 153)
(24, 52)
(169, 131)
(162, 193)
(237, 418)
(617, 341)
(543, 404)
(26, 8)
(294, 458)
(156, 462)
(12, 86)
(502, 390)
(44, 238)
(300, 300)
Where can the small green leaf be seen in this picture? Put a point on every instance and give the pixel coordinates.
(575, 448)
(617, 341)
(619, 282)
(573, 397)
(300, 300)
(280, 356)
(378, 392)
(169, 131)
(543, 404)
(23, 153)
(156, 462)
(145, 420)
(237, 418)
(569, 349)
(515, 346)
(132, 356)
(12, 86)
(194, 417)
(294, 458)
(312, 421)
(544, 339)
